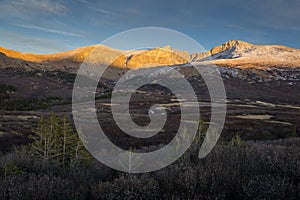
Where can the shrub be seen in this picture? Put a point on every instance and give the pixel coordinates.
(267, 187)
(11, 169)
(260, 170)
(127, 187)
(237, 141)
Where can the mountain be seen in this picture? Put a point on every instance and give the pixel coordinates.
(71, 60)
(77, 54)
(234, 53)
(66, 61)
(241, 54)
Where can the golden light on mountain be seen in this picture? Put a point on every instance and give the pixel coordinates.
(233, 53)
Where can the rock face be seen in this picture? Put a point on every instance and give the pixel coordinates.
(230, 46)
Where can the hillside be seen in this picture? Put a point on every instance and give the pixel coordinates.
(71, 60)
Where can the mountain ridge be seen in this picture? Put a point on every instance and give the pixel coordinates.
(233, 53)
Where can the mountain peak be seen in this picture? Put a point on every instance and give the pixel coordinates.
(230, 45)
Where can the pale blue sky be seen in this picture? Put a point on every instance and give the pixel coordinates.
(46, 26)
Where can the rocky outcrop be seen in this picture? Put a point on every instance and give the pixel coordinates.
(230, 45)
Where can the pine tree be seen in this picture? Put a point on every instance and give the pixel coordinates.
(56, 141)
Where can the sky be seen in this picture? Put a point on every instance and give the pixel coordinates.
(48, 26)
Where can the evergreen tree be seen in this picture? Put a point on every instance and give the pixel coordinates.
(56, 141)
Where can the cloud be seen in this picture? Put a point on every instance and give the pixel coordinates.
(32, 7)
(212, 21)
(49, 30)
(34, 44)
(102, 11)
(83, 1)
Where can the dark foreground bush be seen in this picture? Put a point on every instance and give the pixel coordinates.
(265, 170)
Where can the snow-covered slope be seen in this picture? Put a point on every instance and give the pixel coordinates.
(241, 54)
